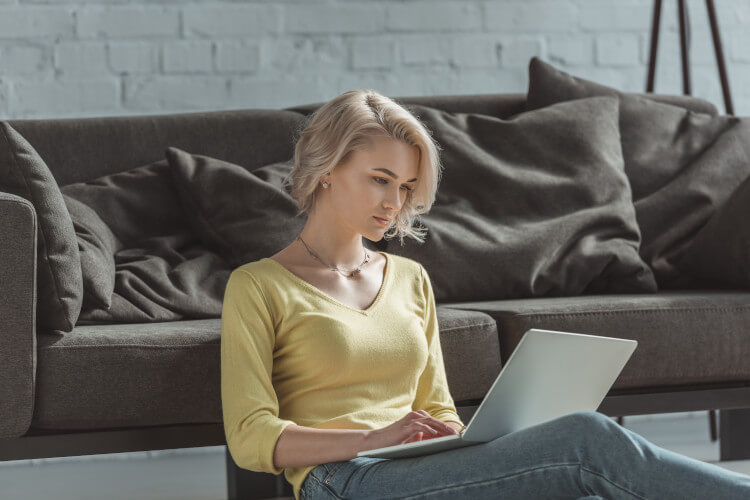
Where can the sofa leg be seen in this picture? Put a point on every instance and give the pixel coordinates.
(734, 434)
(243, 484)
(712, 425)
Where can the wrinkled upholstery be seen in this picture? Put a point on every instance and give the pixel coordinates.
(123, 375)
(683, 336)
(145, 374)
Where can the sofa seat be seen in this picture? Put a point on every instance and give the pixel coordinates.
(684, 336)
(122, 375)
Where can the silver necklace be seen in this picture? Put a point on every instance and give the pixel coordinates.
(352, 274)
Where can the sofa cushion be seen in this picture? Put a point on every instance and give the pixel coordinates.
(720, 252)
(97, 246)
(536, 205)
(241, 215)
(162, 271)
(59, 282)
(168, 373)
(681, 164)
(684, 337)
(135, 204)
(164, 278)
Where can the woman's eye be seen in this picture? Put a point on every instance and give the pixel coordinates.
(378, 179)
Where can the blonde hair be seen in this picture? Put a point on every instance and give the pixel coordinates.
(346, 124)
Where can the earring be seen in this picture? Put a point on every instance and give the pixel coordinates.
(325, 184)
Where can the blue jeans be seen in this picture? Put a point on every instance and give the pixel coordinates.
(583, 454)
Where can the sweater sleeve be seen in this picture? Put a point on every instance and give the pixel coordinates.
(433, 394)
(249, 402)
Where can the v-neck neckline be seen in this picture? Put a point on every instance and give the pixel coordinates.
(318, 291)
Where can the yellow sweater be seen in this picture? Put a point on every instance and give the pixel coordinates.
(291, 353)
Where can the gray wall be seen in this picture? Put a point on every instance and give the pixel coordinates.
(63, 58)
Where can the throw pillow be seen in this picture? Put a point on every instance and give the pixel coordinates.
(97, 246)
(720, 252)
(681, 164)
(136, 204)
(242, 216)
(535, 205)
(171, 277)
(162, 273)
(59, 283)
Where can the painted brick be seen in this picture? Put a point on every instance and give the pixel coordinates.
(276, 93)
(4, 91)
(75, 59)
(187, 56)
(474, 51)
(128, 22)
(24, 60)
(133, 57)
(311, 53)
(334, 18)
(51, 98)
(225, 20)
(516, 53)
(701, 48)
(530, 16)
(238, 56)
(570, 49)
(425, 50)
(36, 22)
(433, 16)
(738, 48)
(596, 15)
(174, 92)
(372, 53)
(619, 49)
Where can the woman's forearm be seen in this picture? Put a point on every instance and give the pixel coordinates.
(300, 446)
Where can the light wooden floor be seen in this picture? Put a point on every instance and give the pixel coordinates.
(199, 474)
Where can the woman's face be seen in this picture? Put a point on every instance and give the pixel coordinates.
(374, 183)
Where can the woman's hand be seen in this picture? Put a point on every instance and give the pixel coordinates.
(415, 426)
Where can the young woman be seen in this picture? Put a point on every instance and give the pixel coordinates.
(328, 348)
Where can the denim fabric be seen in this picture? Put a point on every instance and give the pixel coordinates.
(583, 454)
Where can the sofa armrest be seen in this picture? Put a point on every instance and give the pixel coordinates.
(18, 233)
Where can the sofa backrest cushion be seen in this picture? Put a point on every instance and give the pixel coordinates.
(136, 204)
(681, 164)
(59, 281)
(238, 214)
(720, 252)
(156, 270)
(536, 205)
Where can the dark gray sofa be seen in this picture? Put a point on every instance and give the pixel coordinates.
(132, 387)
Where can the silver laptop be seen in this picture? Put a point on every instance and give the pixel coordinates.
(548, 375)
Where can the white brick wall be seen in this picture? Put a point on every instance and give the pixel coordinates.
(65, 58)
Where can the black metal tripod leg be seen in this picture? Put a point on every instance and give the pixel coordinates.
(682, 16)
(720, 57)
(654, 46)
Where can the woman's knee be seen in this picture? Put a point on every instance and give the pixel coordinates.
(590, 420)
(595, 434)
(591, 425)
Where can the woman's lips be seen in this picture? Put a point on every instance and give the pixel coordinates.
(382, 222)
